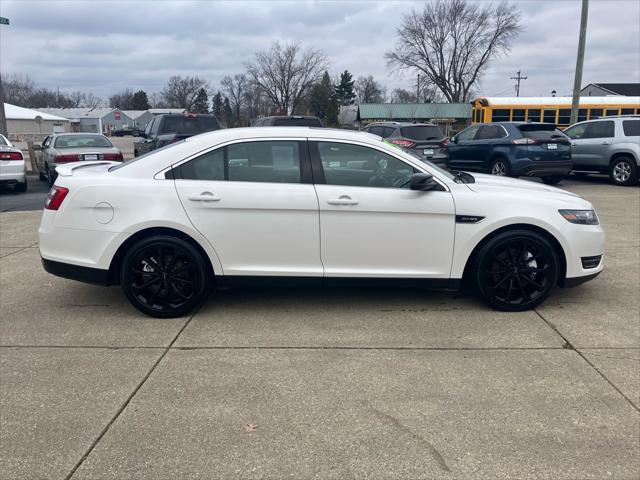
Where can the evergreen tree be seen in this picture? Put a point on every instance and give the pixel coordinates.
(139, 101)
(201, 103)
(344, 90)
(323, 102)
(227, 113)
(217, 106)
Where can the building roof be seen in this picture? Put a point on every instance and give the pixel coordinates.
(133, 114)
(81, 112)
(390, 111)
(626, 89)
(13, 112)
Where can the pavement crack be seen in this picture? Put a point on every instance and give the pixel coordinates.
(567, 344)
(129, 398)
(433, 451)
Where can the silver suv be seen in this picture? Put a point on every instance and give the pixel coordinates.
(607, 145)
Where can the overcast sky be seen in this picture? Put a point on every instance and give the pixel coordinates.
(104, 46)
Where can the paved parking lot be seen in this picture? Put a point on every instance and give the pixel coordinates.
(336, 383)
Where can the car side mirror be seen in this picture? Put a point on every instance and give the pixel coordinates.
(37, 147)
(423, 182)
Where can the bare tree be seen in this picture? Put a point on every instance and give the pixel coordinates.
(18, 89)
(235, 87)
(452, 41)
(368, 90)
(82, 99)
(285, 73)
(122, 99)
(182, 92)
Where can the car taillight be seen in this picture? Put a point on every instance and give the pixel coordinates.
(67, 158)
(113, 157)
(55, 197)
(524, 141)
(403, 143)
(10, 156)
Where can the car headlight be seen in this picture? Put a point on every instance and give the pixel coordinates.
(582, 217)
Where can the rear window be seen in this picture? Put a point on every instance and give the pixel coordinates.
(631, 128)
(542, 134)
(188, 125)
(297, 122)
(424, 132)
(82, 141)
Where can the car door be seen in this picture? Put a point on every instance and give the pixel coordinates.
(371, 224)
(256, 204)
(147, 143)
(461, 151)
(40, 154)
(590, 150)
(484, 144)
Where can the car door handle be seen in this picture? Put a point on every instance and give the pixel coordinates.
(204, 197)
(342, 200)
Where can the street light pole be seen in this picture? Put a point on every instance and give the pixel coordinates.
(3, 117)
(577, 81)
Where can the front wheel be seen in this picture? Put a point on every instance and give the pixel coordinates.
(624, 171)
(164, 277)
(516, 270)
(552, 179)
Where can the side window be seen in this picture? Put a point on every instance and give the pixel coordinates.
(358, 166)
(387, 132)
(467, 134)
(147, 130)
(271, 162)
(155, 126)
(600, 130)
(577, 131)
(47, 142)
(488, 132)
(376, 130)
(631, 128)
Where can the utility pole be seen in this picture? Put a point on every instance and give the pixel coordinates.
(577, 81)
(418, 90)
(518, 78)
(3, 117)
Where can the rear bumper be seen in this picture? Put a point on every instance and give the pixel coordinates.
(76, 272)
(534, 168)
(12, 175)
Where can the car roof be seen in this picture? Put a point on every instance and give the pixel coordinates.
(291, 116)
(601, 119)
(402, 124)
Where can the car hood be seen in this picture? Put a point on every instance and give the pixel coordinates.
(493, 183)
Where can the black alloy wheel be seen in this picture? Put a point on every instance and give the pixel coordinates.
(165, 277)
(516, 271)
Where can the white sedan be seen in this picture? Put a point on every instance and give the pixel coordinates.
(316, 205)
(13, 170)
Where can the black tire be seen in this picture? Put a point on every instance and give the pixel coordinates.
(552, 179)
(515, 270)
(500, 167)
(21, 187)
(50, 177)
(41, 175)
(177, 268)
(623, 171)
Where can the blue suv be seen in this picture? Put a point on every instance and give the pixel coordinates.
(512, 149)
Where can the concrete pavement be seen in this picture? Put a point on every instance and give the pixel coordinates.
(339, 384)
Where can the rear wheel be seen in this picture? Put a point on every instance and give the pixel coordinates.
(552, 179)
(624, 171)
(21, 187)
(500, 167)
(516, 270)
(164, 277)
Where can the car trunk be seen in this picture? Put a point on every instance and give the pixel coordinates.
(428, 140)
(549, 143)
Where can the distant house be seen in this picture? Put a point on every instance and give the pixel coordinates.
(140, 117)
(606, 89)
(28, 124)
(451, 117)
(95, 120)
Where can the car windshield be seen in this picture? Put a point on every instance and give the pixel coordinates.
(82, 141)
(188, 125)
(422, 132)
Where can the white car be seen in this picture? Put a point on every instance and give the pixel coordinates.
(13, 170)
(317, 205)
